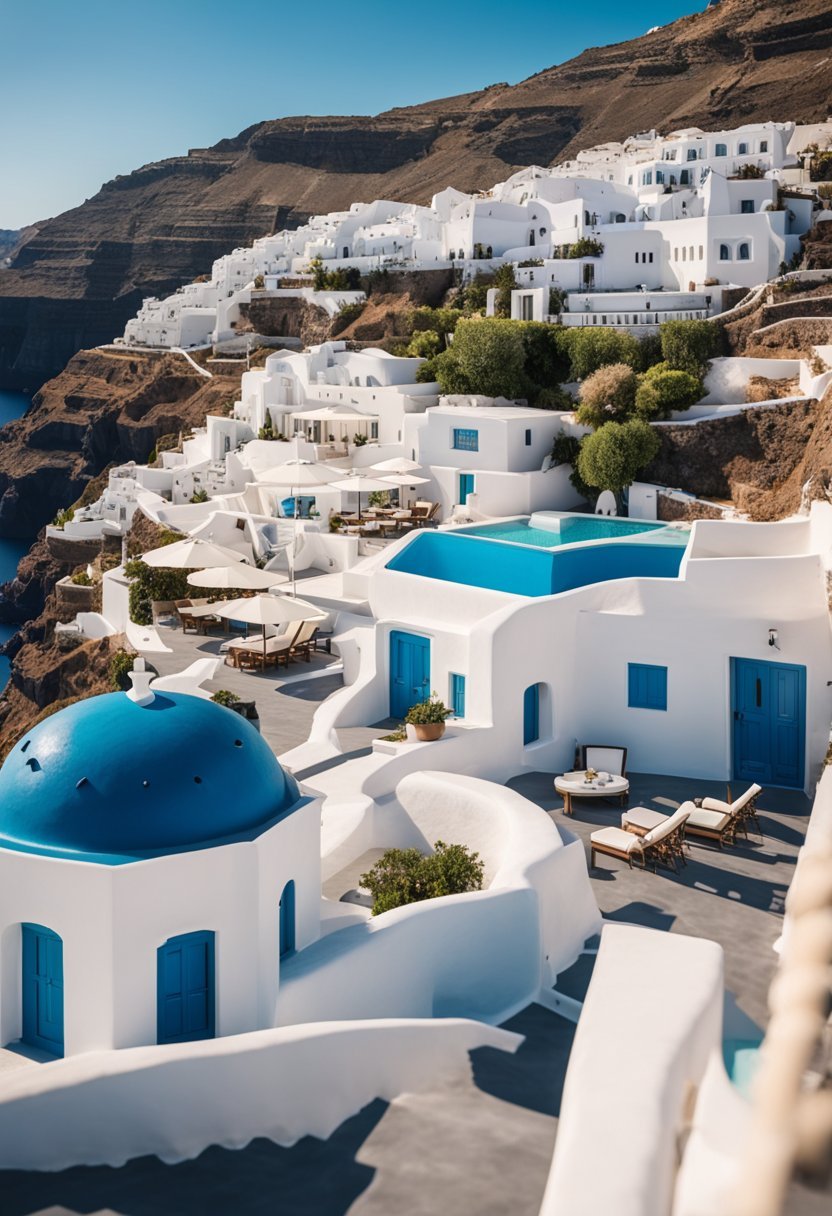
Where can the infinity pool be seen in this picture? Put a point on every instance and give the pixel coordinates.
(529, 570)
(568, 530)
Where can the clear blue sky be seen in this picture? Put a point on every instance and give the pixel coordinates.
(92, 88)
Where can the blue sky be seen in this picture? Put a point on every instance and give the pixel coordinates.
(92, 88)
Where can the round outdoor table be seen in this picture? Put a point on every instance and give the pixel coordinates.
(575, 785)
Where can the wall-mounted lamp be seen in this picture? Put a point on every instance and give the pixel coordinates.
(772, 638)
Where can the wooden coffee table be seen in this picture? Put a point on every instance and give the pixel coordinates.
(575, 785)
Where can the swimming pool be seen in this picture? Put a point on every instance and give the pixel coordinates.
(523, 569)
(570, 530)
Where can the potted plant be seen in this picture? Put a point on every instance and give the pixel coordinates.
(428, 718)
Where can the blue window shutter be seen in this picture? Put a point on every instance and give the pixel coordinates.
(466, 439)
(458, 695)
(646, 686)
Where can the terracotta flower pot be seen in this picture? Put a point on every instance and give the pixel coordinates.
(427, 732)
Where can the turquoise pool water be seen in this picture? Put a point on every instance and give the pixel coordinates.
(522, 569)
(570, 530)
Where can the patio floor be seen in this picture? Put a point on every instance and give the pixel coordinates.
(286, 698)
(733, 896)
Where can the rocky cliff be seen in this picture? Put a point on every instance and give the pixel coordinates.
(79, 277)
(104, 408)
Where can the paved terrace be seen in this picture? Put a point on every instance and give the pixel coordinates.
(479, 1144)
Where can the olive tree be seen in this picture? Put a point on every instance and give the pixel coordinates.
(608, 395)
(689, 346)
(487, 356)
(612, 457)
(594, 346)
(664, 391)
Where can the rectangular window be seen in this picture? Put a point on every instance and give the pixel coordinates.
(531, 714)
(466, 440)
(646, 686)
(458, 695)
(651, 257)
(747, 206)
(528, 439)
(764, 145)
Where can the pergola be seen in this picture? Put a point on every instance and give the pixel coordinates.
(318, 424)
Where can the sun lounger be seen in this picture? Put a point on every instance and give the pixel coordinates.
(275, 651)
(185, 619)
(662, 844)
(301, 648)
(720, 821)
(640, 820)
(604, 758)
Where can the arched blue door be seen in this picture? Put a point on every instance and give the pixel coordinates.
(185, 988)
(286, 908)
(43, 989)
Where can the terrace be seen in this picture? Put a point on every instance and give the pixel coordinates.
(482, 1143)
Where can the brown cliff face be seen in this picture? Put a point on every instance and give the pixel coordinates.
(78, 278)
(103, 408)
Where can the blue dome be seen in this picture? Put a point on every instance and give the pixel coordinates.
(109, 780)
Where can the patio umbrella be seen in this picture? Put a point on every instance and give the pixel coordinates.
(296, 475)
(358, 483)
(398, 464)
(268, 610)
(244, 578)
(406, 479)
(190, 554)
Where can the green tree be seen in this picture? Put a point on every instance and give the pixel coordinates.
(316, 269)
(441, 320)
(689, 346)
(406, 876)
(591, 347)
(474, 296)
(663, 391)
(546, 365)
(608, 395)
(505, 282)
(487, 357)
(424, 344)
(151, 583)
(612, 457)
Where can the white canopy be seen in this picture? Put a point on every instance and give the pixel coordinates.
(296, 475)
(190, 554)
(405, 479)
(358, 483)
(244, 578)
(268, 610)
(397, 464)
(333, 413)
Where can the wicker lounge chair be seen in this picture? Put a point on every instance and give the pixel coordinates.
(659, 846)
(640, 820)
(272, 654)
(301, 648)
(604, 758)
(720, 821)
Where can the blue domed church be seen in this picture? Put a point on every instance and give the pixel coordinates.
(156, 863)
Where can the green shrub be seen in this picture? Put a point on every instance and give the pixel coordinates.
(428, 712)
(259, 282)
(406, 876)
(151, 583)
(441, 320)
(689, 346)
(346, 314)
(199, 496)
(425, 344)
(487, 357)
(474, 297)
(545, 363)
(593, 347)
(81, 579)
(553, 399)
(585, 247)
(612, 457)
(379, 498)
(224, 696)
(663, 391)
(118, 669)
(608, 395)
(64, 516)
(566, 449)
(505, 282)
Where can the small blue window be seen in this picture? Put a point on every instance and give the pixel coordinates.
(466, 440)
(531, 714)
(647, 686)
(721, 150)
(528, 439)
(458, 695)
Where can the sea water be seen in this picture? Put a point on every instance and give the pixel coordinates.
(12, 405)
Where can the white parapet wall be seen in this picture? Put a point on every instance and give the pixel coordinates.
(105, 1108)
(651, 1019)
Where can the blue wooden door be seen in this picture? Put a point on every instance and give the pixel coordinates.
(531, 714)
(769, 722)
(287, 919)
(185, 988)
(466, 487)
(43, 989)
(409, 671)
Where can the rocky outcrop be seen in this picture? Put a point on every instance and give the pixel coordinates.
(104, 408)
(78, 278)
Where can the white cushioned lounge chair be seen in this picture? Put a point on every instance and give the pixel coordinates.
(662, 844)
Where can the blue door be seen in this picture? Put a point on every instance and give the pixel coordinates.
(185, 988)
(287, 919)
(466, 487)
(409, 671)
(769, 726)
(43, 989)
(531, 714)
